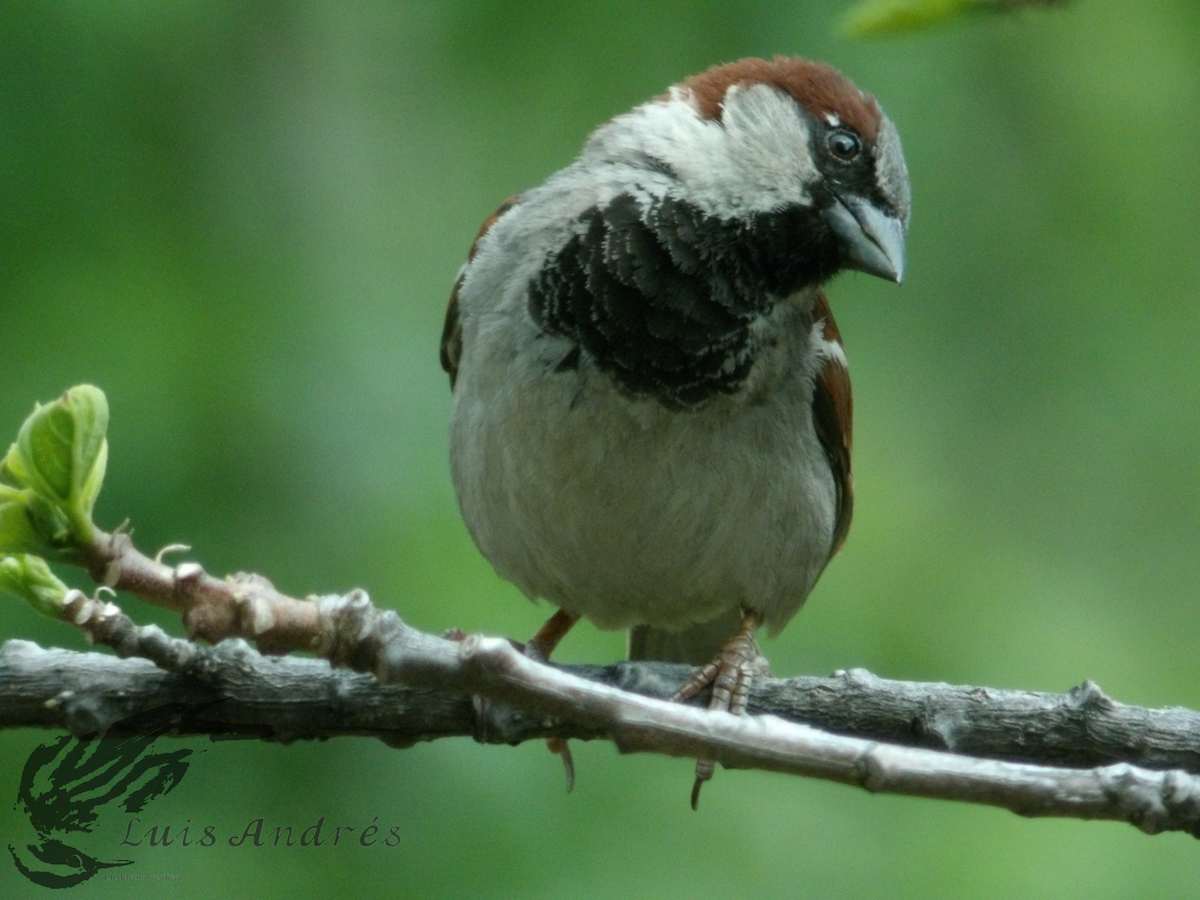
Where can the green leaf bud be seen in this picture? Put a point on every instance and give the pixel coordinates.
(30, 579)
(61, 454)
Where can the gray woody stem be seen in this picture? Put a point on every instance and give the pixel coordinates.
(222, 686)
(238, 690)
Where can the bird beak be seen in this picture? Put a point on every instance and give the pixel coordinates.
(872, 242)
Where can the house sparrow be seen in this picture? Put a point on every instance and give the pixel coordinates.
(651, 425)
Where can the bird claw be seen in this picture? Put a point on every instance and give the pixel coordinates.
(538, 648)
(730, 675)
(704, 771)
(560, 747)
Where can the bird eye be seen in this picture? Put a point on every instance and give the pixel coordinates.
(845, 145)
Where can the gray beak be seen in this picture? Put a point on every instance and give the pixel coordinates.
(871, 241)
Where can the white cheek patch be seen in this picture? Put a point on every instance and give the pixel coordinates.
(766, 161)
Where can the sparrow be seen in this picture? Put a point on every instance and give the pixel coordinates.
(651, 423)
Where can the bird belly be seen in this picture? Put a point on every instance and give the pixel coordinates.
(626, 512)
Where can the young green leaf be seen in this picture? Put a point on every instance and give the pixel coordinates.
(61, 454)
(883, 18)
(30, 579)
(17, 531)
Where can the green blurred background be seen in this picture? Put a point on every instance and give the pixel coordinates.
(243, 219)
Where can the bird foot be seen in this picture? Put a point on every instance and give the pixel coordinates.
(538, 648)
(561, 748)
(730, 674)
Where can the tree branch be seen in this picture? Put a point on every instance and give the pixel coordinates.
(295, 698)
(919, 740)
(235, 692)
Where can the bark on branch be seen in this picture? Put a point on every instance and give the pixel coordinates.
(296, 698)
(971, 744)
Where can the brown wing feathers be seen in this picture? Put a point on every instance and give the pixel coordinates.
(451, 350)
(833, 410)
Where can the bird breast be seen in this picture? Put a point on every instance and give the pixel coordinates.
(627, 512)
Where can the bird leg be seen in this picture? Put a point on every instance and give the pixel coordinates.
(539, 648)
(730, 673)
(542, 644)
